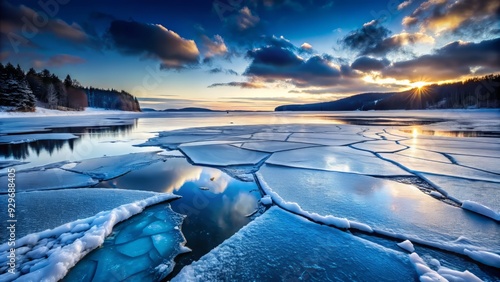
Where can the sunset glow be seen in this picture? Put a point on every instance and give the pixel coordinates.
(254, 55)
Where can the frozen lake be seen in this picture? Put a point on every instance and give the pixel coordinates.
(365, 196)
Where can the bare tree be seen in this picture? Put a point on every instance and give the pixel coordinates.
(51, 96)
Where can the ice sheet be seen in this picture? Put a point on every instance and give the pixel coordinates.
(9, 163)
(27, 138)
(141, 248)
(53, 178)
(380, 146)
(462, 146)
(113, 166)
(337, 141)
(486, 193)
(48, 255)
(343, 159)
(40, 210)
(273, 136)
(274, 146)
(421, 165)
(280, 246)
(388, 207)
(425, 155)
(483, 163)
(222, 155)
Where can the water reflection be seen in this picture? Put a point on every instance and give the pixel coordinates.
(392, 121)
(216, 205)
(23, 151)
(452, 133)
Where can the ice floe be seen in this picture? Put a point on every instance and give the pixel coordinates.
(40, 210)
(53, 178)
(105, 168)
(222, 155)
(332, 158)
(9, 163)
(275, 136)
(380, 146)
(27, 138)
(280, 246)
(420, 165)
(460, 190)
(274, 146)
(48, 255)
(384, 206)
(483, 163)
(141, 249)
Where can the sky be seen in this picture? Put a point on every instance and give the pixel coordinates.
(252, 54)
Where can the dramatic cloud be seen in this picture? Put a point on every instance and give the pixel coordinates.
(274, 63)
(58, 60)
(366, 64)
(20, 24)
(396, 42)
(366, 38)
(244, 27)
(475, 16)
(281, 42)
(404, 4)
(306, 47)
(372, 39)
(449, 62)
(153, 40)
(214, 47)
(244, 85)
(221, 70)
(244, 20)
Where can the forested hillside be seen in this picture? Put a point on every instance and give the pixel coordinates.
(479, 92)
(20, 91)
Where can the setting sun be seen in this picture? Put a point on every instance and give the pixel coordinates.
(420, 84)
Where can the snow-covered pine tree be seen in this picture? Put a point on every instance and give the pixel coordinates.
(14, 90)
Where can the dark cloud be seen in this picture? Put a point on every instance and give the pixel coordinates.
(281, 42)
(221, 70)
(452, 61)
(274, 63)
(373, 39)
(462, 16)
(244, 85)
(244, 27)
(366, 64)
(20, 24)
(366, 38)
(153, 40)
(58, 61)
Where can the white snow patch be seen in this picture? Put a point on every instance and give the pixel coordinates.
(436, 194)
(426, 274)
(442, 274)
(484, 257)
(407, 245)
(266, 200)
(481, 209)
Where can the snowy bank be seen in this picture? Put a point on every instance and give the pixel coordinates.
(42, 112)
